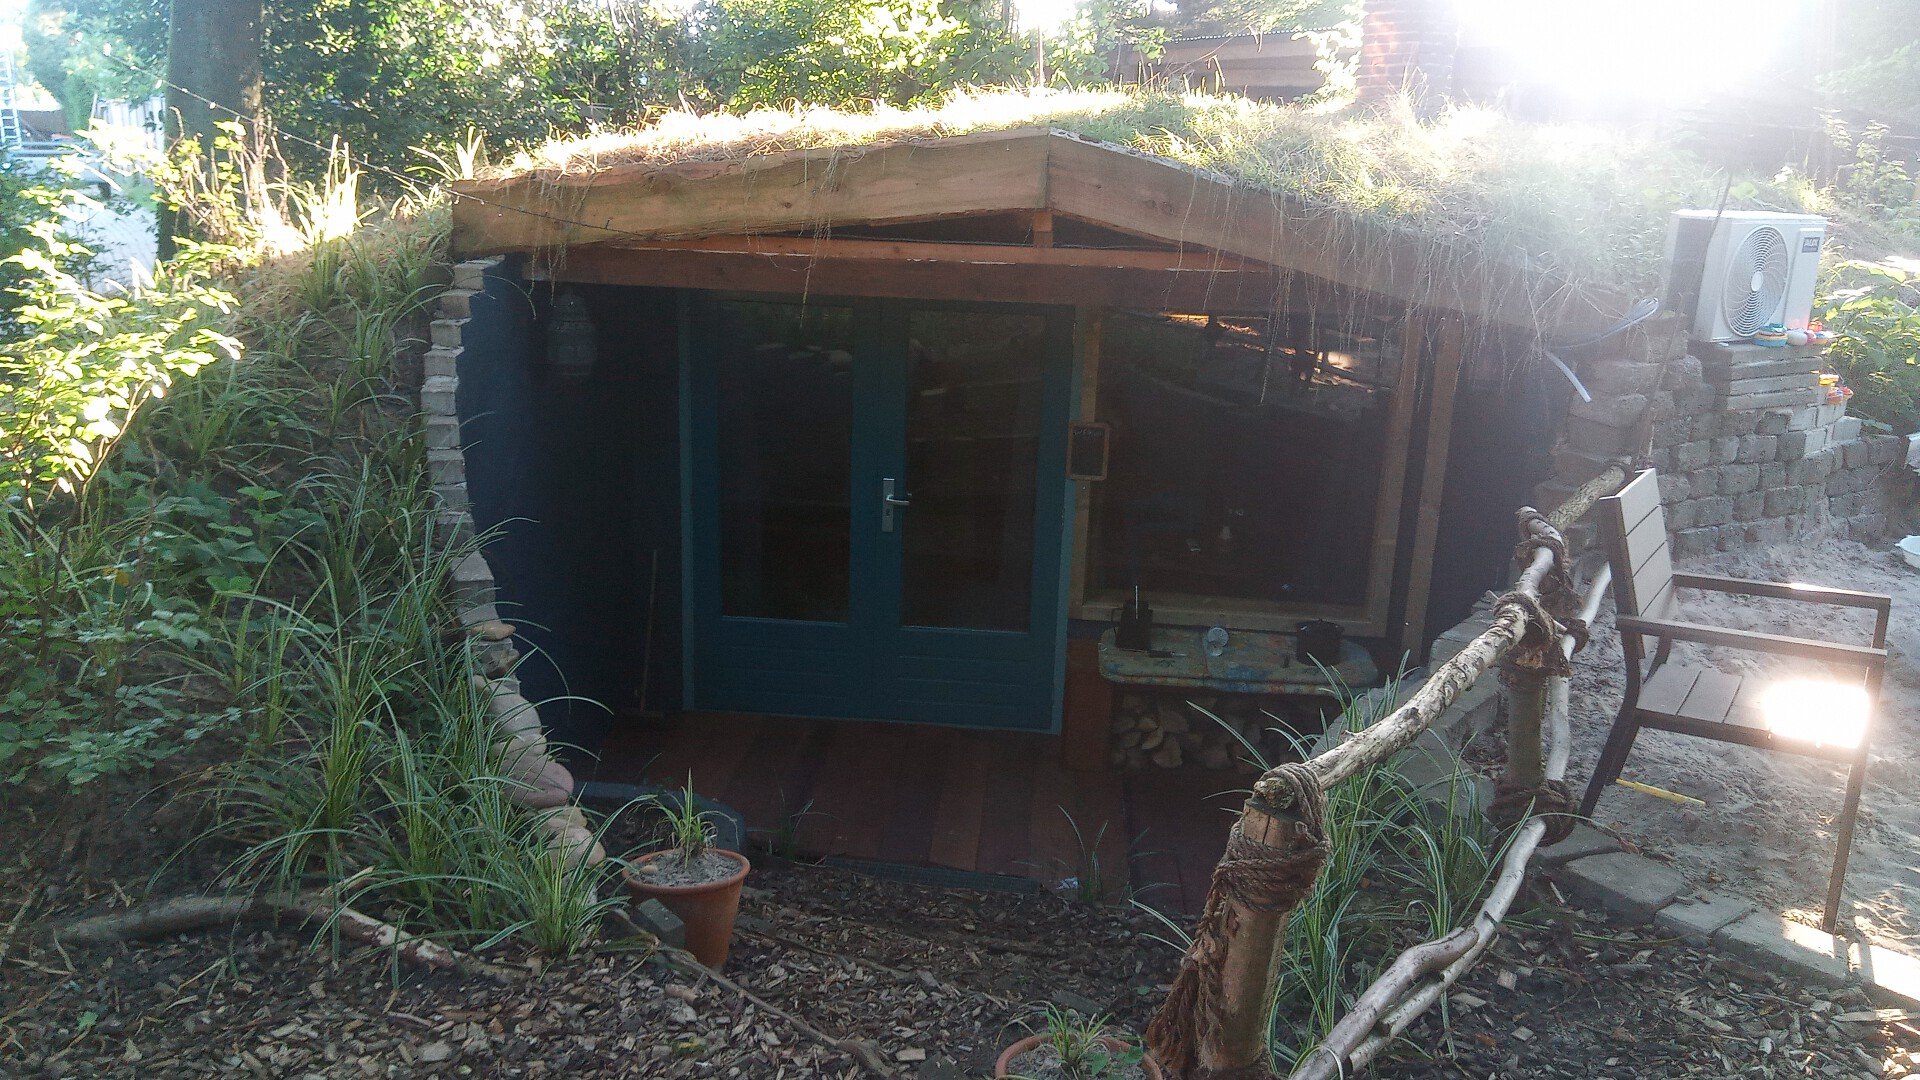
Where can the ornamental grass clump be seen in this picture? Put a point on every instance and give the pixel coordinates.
(689, 829)
(228, 578)
(1070, 1046)
(1405, 862)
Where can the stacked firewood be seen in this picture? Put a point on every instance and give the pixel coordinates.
(1168, 730)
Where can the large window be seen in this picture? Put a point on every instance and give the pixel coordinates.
(786, 421)
(1247, 462)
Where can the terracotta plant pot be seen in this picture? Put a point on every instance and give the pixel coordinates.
(1004, 1066)
(708, 909)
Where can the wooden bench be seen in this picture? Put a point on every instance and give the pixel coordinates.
(1705, 702)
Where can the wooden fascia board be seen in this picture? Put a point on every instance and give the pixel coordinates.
(1026, 170)
(906, 181)
(1156, 199)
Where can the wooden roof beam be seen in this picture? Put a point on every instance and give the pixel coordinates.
(828, 247)
(1023, 171)
(1249, 291)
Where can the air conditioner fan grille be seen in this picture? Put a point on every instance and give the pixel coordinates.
(1756, 281)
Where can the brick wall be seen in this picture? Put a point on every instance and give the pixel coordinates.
(1748, 452)
(1407, 46)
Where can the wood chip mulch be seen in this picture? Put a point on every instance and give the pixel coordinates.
(1577, 998)
(931, 978)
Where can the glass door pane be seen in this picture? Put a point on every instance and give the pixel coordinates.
(973, 436)
(785, 427)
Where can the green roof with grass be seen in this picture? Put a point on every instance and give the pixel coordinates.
(1582, 205)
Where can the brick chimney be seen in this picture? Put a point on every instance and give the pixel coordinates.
(1408, 45)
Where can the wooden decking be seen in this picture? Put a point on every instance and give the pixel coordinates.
(982, 802)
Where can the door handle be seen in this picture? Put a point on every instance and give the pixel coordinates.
(888, 500)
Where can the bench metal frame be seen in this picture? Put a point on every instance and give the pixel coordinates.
(1704, 702)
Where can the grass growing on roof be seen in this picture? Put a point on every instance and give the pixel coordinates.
(1581, 205)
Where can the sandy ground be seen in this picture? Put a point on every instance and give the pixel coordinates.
(1768, 829)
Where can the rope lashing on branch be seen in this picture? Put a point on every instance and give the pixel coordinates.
(1551, 613)
(1552, 802)
(1253, 875)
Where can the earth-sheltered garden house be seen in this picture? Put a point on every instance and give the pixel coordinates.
(887, 419)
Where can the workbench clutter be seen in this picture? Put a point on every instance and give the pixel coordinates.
(1202, 695)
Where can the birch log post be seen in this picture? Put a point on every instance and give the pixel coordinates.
(1253, 956)
(1526, 705)
(1233, 1044)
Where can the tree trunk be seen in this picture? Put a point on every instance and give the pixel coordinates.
(213, 76)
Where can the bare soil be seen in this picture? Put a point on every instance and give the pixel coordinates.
(920, 974)
(672, 870)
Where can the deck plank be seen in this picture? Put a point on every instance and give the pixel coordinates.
(775, 777)
(839, 767)
(963, 793)
(983, 801)
(881, 752)
(1098, 805)
(907, 833)
(1007, 811)
(711, 751)
(1712, 695)
(1667, 689)
(1179, 817)
(1054, 813)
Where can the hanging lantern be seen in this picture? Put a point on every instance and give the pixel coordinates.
(571, 340)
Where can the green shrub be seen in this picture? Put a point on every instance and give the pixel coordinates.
(1875, 308)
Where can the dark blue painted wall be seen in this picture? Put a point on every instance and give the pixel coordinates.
(1504, 420)
(579, 482)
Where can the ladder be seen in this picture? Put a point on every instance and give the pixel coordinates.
(9, 107)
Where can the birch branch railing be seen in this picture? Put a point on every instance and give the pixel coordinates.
(1213, 1026)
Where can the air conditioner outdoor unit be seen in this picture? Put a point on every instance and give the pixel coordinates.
(1735, 272)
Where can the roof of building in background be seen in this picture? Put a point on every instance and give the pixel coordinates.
(44, 124)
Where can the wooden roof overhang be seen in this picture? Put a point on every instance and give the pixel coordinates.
(769, 223)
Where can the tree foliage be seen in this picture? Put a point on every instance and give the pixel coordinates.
(772, 52)
(389, 76)
(83, 49)
(1875, 307)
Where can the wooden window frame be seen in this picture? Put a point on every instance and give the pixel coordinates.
(1370, 618)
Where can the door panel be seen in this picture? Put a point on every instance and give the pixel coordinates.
(768, 425)
(815, 595)
(974, 398)
(785, 419)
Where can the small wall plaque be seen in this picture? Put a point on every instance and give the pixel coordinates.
(1088, 443)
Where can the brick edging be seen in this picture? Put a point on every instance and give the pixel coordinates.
(545, 787)
(1594, 871)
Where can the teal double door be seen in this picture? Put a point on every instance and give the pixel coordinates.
(875, 510)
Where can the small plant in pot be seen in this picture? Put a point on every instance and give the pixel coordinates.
(1068, 1047)
(695, 880)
